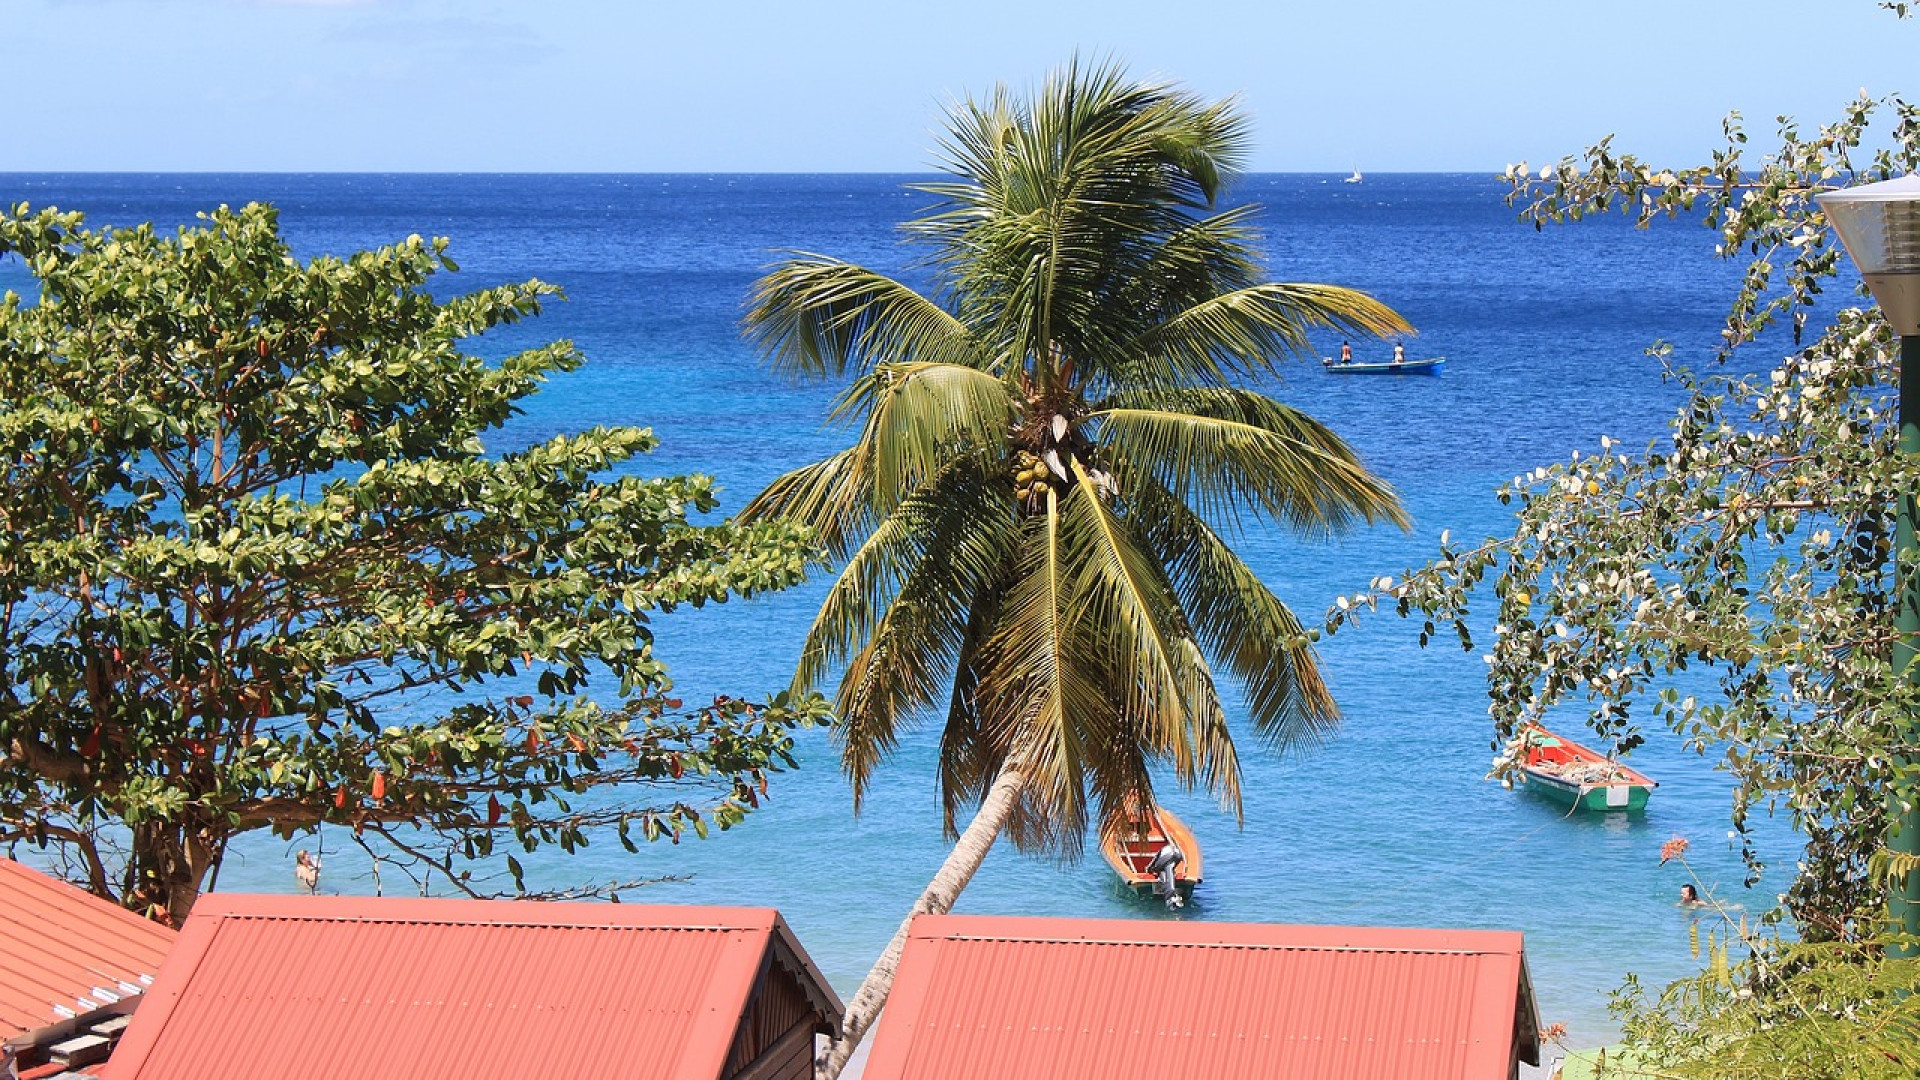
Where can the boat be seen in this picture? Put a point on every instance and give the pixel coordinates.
(1355, 178)
(1578, 777)
(1430, 366)
(1132, 849)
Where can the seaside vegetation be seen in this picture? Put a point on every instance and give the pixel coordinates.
(1053, 452)
(1754, 547)
(259, 572)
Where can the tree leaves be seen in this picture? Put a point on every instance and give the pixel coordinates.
(248, 506)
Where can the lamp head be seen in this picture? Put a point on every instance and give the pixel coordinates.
(1880, 226)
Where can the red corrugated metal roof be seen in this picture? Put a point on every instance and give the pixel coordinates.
(1058, 999)
(65, 949)
(297, 986)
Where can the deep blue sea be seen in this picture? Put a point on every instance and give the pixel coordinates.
(1392, 823)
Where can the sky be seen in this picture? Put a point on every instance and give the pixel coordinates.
(857, 86)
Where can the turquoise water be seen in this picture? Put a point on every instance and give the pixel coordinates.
(1391, 823)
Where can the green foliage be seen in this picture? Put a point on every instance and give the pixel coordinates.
(1028, 514)
(1765, 1007)
(1810, 1011)
(1756, 545)
(1755, 548)
(248, 523)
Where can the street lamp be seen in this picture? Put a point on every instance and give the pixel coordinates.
(1880, 226)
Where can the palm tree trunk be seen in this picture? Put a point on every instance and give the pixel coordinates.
(965, 858)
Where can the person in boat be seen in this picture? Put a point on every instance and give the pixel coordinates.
(1399, 352)
(1346, 352)
(1690, 896)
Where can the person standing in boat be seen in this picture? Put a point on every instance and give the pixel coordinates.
(1346, 352)
(1399, 352)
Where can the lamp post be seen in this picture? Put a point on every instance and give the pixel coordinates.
(1880, 226)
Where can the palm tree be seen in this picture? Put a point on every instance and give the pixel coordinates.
(1031, 518)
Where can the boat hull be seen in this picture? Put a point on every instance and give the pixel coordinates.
(1581, 778)
(1129, 852)
(1410, 367)
(1597, 797)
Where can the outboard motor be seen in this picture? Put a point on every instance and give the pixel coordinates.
(1164, 865)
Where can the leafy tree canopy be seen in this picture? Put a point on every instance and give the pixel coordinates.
(249, 535)
(1755, 544)
(1753, 551)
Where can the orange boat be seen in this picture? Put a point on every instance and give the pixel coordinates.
(1132, 851)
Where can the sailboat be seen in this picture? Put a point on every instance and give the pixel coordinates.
(1355, 178)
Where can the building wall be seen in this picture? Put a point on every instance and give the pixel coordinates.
(775, 1039)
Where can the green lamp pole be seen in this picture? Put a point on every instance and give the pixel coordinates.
(1880, 226)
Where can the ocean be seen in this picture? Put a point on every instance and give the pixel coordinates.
(1392, 822)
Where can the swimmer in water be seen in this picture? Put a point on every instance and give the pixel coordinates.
(1690, 896)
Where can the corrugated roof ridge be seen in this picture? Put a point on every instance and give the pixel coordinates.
(1282, 946)
(456, 911)
(531, 924)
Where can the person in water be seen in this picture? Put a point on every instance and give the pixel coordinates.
(1690, 896)
(1346, 353)
(1399, 352)
(306, 870)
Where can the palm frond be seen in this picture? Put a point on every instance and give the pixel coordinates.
(969, 761)
(1245, 331)
(897, 611)
(833, 495)
(814, 315)
(1224, 451)
(1239, 622)
(1058, 204)
(1034, 698)
(919, 415)
(1163, 687)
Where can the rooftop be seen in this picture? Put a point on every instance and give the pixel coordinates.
(65, 952)
(1054, 999)
(299, 986)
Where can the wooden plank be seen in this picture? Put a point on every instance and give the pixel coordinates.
(789, 1057)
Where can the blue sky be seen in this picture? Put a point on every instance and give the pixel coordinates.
(857, 86)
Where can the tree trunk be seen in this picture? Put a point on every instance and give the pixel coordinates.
(170, 861)
(965, 858)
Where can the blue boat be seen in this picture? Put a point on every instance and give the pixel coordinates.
(1429, 366)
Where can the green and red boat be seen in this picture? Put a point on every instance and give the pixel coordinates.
(1576, 776)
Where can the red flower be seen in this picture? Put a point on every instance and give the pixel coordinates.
(1673, 849)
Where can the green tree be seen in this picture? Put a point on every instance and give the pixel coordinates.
(1031, 518)
(1756, 544)
(1752, 551)
(247, 522)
